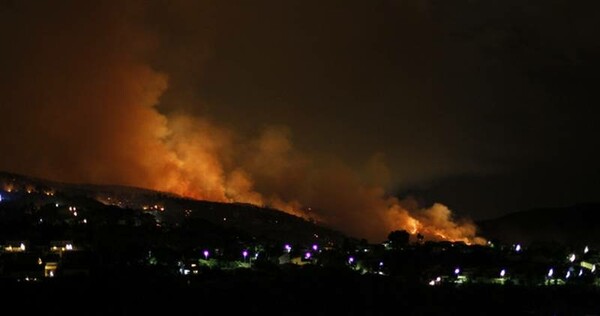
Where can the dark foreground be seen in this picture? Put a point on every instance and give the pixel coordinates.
(303, 291)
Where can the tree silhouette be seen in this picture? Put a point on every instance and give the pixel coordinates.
(399, 238)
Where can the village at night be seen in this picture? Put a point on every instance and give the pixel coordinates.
(139, 244)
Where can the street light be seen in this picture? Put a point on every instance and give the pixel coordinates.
(245, 254)
(287, 248)
(457, 271)
(351, 260)
(315, 247)
(307, 255)
(206, 254)
(550, 272)
(502, 273)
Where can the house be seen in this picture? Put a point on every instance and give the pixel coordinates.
(15, 246)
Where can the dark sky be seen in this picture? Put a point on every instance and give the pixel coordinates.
(487, 106)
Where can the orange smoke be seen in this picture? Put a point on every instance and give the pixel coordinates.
(83, 108)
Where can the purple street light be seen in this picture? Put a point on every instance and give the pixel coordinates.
(518, 247)
(245, 254)
(315, 247)
(351, 260)
(288, 248)
(206, 254)
(307, 255)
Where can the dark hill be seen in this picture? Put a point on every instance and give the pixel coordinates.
(574, 225)
(263, 223)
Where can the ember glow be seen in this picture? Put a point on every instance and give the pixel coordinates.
(86, 107)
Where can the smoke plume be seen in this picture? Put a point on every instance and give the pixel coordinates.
(79, 100)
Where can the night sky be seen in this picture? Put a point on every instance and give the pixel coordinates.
(486, 106)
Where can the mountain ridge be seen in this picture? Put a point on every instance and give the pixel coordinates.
(576, 224)
(168, 208)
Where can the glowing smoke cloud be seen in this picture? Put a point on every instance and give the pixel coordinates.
(79, 104)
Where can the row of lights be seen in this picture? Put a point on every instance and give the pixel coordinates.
(245, 254)
(503, 273)
(287, 248)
